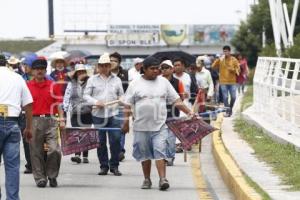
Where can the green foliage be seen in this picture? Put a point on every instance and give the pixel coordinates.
(268, 51)
(246, 43)
(294, 51)
(18, 46)
(248, 39)
(247, 99)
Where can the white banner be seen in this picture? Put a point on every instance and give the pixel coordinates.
(133, 35)
(134, 39)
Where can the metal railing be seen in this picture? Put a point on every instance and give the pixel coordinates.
(277, 92)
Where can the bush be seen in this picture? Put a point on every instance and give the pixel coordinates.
(294, 51)
(18, 46)
(268, 51)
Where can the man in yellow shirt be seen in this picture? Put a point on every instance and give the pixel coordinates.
(229, 70)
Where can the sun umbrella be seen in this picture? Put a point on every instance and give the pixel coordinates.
(171, 55)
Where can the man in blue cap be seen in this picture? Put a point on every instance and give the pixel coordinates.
(27, 76)
(27, 63)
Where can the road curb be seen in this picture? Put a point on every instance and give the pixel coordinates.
(199, 180)
(230, 172)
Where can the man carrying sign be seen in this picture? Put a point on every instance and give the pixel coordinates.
(103, 91)
(149, 96)
(14, 95)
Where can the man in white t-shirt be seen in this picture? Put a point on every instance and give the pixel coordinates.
(179, 73)
(14, 95)
(203, 78)
(135, 71)
(188, 80)
(148, 96)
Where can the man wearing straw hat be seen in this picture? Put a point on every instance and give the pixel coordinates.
(47, 100)
(14, 64)
(60, 73)
(102, 90)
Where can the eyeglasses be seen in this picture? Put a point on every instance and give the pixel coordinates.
(164, 67)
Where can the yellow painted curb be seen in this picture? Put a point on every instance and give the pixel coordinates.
(199, 180)
(229, 170)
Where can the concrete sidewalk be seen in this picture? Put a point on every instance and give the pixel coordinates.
(257, 170)
(77, 182)
(274, 130)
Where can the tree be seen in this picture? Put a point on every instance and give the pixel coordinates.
(248, 38)
(294, 51)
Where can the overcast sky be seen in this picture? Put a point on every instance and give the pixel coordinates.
(21, 18)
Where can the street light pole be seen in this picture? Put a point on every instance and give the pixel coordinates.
(51, 18)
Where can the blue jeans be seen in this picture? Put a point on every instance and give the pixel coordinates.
(114, 137)
(228, 89)
(10, 137)
(171, 144)
(120, 119)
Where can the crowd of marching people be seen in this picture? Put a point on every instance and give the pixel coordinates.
(153, 90)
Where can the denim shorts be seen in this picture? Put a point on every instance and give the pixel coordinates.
(150, 145)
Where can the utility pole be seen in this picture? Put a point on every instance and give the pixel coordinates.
(51, 18)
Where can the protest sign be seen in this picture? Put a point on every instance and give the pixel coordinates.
(189, 131)
(75, 140)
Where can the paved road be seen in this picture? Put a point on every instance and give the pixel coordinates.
(77, 182)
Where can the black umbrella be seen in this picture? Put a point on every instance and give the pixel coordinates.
(171, 55)
(75, 55)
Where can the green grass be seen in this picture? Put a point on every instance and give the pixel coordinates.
(248, 98)
(18, 46)
(284, 159)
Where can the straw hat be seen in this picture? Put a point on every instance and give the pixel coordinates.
(53, 62)
(104, 59)
(13, 60)
(200, 61)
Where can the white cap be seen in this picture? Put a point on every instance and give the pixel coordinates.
(104, 59)
(79, 67)
(137, 60)
(167, 62)
(200, 60)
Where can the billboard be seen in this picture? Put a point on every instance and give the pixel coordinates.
(211, 34)
(171, 34)
(133, 35)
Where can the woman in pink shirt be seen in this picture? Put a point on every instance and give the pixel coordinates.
(244, 71)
